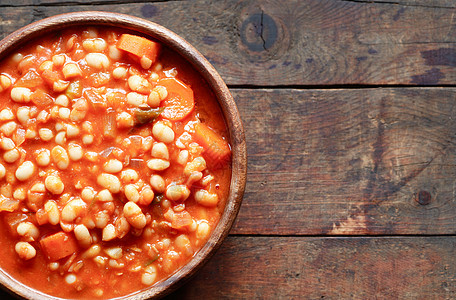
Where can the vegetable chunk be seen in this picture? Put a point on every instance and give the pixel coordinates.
(58, 245)
(215, 147)
(139, 46)
(180, 101)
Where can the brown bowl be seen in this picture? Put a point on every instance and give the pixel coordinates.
(224, 98)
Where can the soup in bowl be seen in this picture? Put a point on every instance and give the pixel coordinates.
(122, 158)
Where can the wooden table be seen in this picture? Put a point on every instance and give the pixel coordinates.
(350, 115)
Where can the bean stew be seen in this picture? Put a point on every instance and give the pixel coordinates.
(114, 163)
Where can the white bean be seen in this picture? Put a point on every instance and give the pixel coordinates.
(2, 171)
(8, 128)
(205, 198)
(182, 158)
(158, 183)
(5, 82)
(20, 194)
(72, 131)
(197, 164)
(134, 215)
(25, 250)
(163, 133)
(6, 114)
(52, 210)
(45, 134)
(73, 209)
(149, 276)
(112, 166)
(71, 70)
(83, 236)
(11, 155)
(159, 150)
(60, 157)
(43, 157)
(203, 230)
(131, 192)
(75, 152)
(109, 233)
(104, 196)
(182, 242)
(7, 144)
(25, 170)
(54, 184)
(28, 230)
(21, 94)
(129, 176)
(114, 53)
(109, 181)
(119, 73)
(70, 279)
(97, 60)
(114, 252)
(158, 164)
(94, 45)
(138, 84)
(60, 138)
(177, 192)
(87, 139)
(153, 99)
(136, 99)
(23, 114)
(87, 194)
(145, 62)
(62, 100)
(64, 113)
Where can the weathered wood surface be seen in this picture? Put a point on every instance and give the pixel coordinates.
(5, 3)
(349, 161)
(340, 162)
(425, 3)
(327, 268)
(314, 42)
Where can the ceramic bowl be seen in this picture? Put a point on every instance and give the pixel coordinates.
(224, 98)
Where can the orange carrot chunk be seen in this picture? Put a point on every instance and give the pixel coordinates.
(139, 46)
(180, 101)
(58, 245)
(216, 149)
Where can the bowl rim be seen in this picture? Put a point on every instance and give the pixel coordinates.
(224, 98)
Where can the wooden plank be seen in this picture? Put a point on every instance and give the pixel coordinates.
(310, 42)
(426, 3)
(327, 268)
(5, 3)
(359, 161)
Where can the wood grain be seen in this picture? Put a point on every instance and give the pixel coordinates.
(274, 43)
(425, 3)
(327, 268)
(349, 161)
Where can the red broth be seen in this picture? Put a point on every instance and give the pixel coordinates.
(114, 163)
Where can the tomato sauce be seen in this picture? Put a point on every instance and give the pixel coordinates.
(114, 163)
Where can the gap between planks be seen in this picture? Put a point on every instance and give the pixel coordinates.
(395, 3)
(336, 87)
(80, 3)
(354, 236)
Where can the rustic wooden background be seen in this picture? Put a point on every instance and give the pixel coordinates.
(350, 117)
